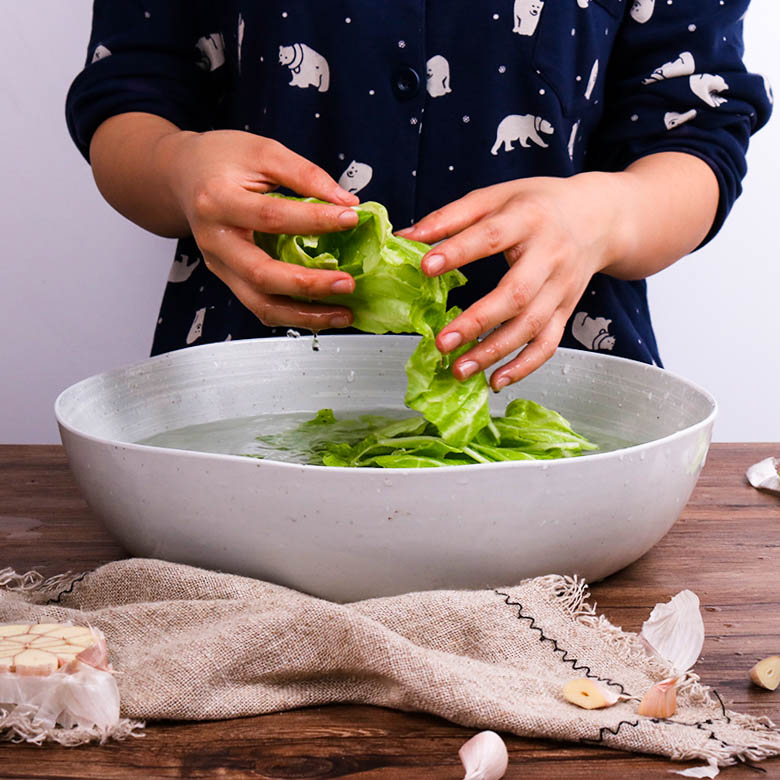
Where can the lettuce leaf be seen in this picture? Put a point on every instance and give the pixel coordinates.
(392, 294)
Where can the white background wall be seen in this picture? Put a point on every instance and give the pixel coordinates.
(80, 286)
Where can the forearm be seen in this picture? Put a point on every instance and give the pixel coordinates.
(132, 158)
(665, 205)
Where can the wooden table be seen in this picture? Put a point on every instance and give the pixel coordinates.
(724, 547)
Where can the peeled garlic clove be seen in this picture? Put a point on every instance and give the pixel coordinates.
(764, 475)
(766, 673)
(661, 700)
(484, 756)
(675, 631)
(588, 694)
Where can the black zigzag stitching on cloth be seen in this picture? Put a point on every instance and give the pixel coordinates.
(67, 590)
(575, 664)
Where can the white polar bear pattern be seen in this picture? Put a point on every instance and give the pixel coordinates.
(684, 65)
(526, 16)
(522, 128)
(706, 86)
(308, 68)
(100, 52)
(583, 3)
(572, 138)
(241, 30)
(212, 51)
(437, 71)
(672, 119)
(592, 332)
(196, 329)
(642, 10)
(768, 87)
(182, 269)
(356, 177)
(594, 74)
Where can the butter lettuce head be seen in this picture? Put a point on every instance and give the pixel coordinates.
(393, 295)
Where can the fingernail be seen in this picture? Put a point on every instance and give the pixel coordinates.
(348, 218)
(339, 321)
(341, 286)
(405, 231)
(468, 368)
(450, 340)
(434, 264)
(342, 194)
(502, 381)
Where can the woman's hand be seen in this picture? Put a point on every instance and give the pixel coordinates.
(219, 179)
(213, 185)
(554, 233)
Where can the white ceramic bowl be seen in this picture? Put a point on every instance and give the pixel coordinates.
(348, 534)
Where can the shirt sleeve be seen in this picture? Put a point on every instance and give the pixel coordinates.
(143, 57)
(677, 82)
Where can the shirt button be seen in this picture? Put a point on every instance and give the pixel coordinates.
(406, 82)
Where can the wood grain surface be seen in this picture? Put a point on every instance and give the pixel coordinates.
(724, 547)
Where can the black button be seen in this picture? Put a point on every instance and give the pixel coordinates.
(406, 82)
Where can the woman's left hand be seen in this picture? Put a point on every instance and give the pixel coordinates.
(555, 234)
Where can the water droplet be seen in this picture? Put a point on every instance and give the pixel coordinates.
(293, 334)
(351, 376)
(315, 343)
(387, 481)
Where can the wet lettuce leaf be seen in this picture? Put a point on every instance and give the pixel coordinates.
(393, 295)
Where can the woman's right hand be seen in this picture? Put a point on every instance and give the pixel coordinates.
(219, 180)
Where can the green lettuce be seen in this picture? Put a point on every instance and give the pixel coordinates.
(392, 294)
(528, 431)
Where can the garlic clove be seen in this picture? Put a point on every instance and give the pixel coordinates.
(484, 756)
(766, 673)
(675, 631)
(661, 700)
(588, 694)
(764, 475)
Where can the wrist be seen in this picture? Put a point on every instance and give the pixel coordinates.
(169, 156)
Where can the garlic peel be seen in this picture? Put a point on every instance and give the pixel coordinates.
(711, 769)
(484, 757)
(764, 475)
(675, 631)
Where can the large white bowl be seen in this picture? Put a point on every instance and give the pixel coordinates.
(348, 534)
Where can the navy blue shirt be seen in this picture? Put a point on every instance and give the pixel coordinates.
(416, 103)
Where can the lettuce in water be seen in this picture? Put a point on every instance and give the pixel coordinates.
(527, 431)
(392, 294)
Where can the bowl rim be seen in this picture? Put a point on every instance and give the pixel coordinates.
(590, 457)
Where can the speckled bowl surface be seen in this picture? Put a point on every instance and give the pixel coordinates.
(348, 534)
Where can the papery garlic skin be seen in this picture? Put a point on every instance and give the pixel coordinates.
(764, 475)
(675, 631)
(484, 757)
(661, 700)
(711, 769)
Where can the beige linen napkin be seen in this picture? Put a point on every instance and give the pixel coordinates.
(194, 644)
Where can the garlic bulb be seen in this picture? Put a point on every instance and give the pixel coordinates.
(484, 756)
(675, 631)
(764, 475)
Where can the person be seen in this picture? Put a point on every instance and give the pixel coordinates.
(560, 152)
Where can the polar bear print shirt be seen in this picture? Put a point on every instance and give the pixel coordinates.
(353, 80)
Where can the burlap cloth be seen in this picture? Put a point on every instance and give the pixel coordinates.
(193, 644)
